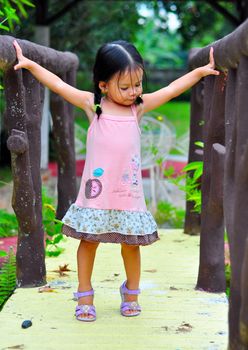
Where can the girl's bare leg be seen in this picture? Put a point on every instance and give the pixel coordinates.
(131, 259)
(85, 259)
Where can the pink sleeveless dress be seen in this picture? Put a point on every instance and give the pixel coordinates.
(110, 206)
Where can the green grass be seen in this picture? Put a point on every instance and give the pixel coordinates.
(178, 114)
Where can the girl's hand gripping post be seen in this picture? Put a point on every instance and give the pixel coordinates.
(23, 62)
(209, 69)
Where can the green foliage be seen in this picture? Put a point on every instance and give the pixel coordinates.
(9, 15)
(8, 224)
(192, 189)
(7, 278)
(99, 23)
(5, 175)
(228, 278)
(159, 48)
(2, 253)
(52, 226)
(195, 18)
(191, 186)
(169, 215)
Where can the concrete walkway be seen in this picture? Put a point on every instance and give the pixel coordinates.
(174, 316)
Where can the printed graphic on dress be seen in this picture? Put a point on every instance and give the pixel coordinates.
(125, 179)
(135, 164)
(93, 188)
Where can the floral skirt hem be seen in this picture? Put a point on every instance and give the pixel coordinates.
(111, 237)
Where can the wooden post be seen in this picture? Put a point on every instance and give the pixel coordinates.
(211, 275)
(24, 101)
(63, 131)
(193, 220)
(236, 195)
(23, 122)
(243, 322)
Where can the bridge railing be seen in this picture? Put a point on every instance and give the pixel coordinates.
(219, 117)
(24, 97)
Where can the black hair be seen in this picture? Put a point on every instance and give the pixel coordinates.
(111, 58)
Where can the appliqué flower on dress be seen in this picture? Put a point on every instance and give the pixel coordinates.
(98, 172)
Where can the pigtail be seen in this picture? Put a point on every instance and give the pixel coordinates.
(97, 101)
(138, 100)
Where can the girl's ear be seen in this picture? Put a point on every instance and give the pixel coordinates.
(103, 86)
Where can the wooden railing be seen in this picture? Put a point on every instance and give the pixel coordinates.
(22, 118)
(222, 103)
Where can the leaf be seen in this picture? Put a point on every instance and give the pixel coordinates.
(4, 28)
(28, 3)
(198, 173)
(3, 253)
(46, 288)
(22, 9)
(7, 277)
(199, 143)
(192, 166)
(58, 238)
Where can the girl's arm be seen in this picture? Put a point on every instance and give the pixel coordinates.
(178, 86)
(82, 99)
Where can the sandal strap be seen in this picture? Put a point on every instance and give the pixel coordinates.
(125, 290)
(83, 294)
(130, 305)
(85, 309)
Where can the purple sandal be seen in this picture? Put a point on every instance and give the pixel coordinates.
(83, 309)
(129, 305)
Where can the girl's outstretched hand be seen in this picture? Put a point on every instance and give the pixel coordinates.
(22, 61)
(209, 69)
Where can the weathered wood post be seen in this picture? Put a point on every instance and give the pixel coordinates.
(23, 106)
(211, 276)
(237, 199)
(192, 223)
(63, 131)
(24, 99)
(231, 55)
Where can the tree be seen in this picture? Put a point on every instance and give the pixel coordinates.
(202, 22)
(9, 15)
(82, 26)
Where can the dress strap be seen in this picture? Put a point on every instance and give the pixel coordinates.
(134, 110)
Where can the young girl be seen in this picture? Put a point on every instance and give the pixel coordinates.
(110, 205)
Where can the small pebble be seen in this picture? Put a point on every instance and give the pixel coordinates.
(26, 324)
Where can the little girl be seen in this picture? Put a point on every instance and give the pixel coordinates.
(110, 205)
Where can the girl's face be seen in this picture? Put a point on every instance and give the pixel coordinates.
(124, 88)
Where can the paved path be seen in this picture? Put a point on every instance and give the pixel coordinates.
(174, 315)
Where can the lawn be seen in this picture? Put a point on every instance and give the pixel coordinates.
(178, 113)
